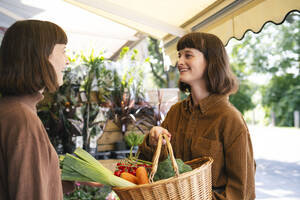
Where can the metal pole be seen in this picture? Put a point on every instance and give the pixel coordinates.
(296, 118)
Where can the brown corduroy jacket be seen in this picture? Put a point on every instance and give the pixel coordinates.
(213, 128)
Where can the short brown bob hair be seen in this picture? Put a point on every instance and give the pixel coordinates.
(24, 57)
(218, 75)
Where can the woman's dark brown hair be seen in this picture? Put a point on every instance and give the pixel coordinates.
(218, 75)
(24, 57)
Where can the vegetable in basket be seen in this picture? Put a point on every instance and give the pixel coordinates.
(134, 139)
(129, 177)
(140, 178)
(86, 168)
(131, 163)
(142, 175)
(165, 169)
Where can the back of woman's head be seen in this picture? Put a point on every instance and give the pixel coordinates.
(218, 75)
(24, 57)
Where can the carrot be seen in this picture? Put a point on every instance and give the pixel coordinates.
(142, 175)
(129, 177)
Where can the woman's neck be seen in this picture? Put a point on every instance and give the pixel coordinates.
(198, 93)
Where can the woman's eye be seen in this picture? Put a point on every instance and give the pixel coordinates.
(188, 55)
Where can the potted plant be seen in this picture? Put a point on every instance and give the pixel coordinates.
(55, 112)
(73, 109)
(126, 97)
(94, 76)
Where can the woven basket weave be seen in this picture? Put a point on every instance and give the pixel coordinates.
(193, 185)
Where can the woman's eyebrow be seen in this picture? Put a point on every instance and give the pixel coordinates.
(185, 51)
(188, 51)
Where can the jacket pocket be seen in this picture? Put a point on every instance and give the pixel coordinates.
(205, 147)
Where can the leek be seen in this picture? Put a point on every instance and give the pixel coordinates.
(85, 167)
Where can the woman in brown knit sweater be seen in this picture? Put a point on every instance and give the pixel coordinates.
(32, 59)
(206, 123)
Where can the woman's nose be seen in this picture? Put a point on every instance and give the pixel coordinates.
(180, 60)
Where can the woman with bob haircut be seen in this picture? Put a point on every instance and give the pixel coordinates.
(32, 59)
(206, 123)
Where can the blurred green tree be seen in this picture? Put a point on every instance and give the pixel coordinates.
(275, 53)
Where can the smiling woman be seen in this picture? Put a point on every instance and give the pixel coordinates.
(192, 65)
(32, 59)
(25, 67)
(59, 60)
(205, 123)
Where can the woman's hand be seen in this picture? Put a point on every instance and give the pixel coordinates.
(154, 135)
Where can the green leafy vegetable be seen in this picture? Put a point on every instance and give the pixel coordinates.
(86, 168)
(134, 139)
(165, 169)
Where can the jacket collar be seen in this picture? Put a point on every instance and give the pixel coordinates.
(205, 104)
(30, 100)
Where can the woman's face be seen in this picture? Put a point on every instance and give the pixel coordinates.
(191, 65)
(59, 61)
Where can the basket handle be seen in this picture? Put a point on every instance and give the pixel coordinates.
(157, 154)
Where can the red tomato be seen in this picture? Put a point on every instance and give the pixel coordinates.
(118, 173)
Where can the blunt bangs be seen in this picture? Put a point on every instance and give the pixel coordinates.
(194, 40)
(24, 57)
(185, 42)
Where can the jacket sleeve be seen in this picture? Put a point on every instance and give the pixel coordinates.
(147, 151)
(240, 170)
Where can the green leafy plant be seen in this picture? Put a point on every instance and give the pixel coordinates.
(282, 96)
(165, 169)
(134, 139)
(276, 60)
(126, 97)
(73, 109)
(90, 82)
(56, 111)
(150, 116)
(95, 79)
(84, 192)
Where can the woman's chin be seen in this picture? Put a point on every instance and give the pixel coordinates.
(183, 79)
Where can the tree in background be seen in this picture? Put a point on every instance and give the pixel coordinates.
(275, 53)
(242, 99)
(162, 78)
(282, 96)
(282, 93)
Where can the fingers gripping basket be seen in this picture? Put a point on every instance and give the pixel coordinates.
(193, 185)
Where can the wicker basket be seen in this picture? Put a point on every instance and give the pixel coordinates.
(193, 185)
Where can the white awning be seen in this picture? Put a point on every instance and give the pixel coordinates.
(109, 24)
(85, 30)
(170, 19)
